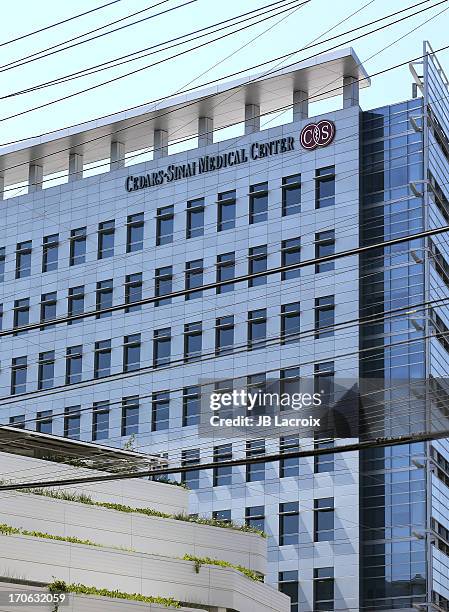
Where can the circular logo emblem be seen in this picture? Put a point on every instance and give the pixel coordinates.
(319, 134)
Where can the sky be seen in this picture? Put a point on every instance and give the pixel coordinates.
(289, 31)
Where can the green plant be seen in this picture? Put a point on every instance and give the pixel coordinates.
(199, 561)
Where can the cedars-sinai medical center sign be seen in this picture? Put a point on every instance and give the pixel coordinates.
(312, 136)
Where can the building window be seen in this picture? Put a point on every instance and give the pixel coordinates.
(323, 463)
(323, 588)
(44, 421)
(23, 259)
(72, 422)
(256, 383)
(255, 517)
(48, 308)
(290, 322)
(195, 218)
(225, 271)
(74, 364)
(75, 302)
(291, 195)
(133, 291)
(193, 277)
(288, 523)
(161, 411)
(323, 377)
(324, 316)
(221, 387)
(224, 335)
(192, 477)
(290, 465)
(226, 211)
(258, 203)
(222, 475)
(106, 235)
(323, 519)
(50, 247)
(325, 187)
(104, 297)
(289, 585)
(164, 225)
(163, 281)
(291, 254)
(2, 263)
(78, 238)
(257, 262)
(191, 398)
(102, 358)
(130, 415)
(193, 335)
(289, 381)
(100, 421)
(18, 375)
(255, 471)
(131, 353)
(21, 312)
(46, 370)
(224, 516)
(257, 328)
(161, 347)
(17, 421)
(324, 245)
(134, 232)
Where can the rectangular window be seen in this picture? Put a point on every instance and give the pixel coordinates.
(131, 352)
(106, 235)
(48, 308)
(290, 465)
(224, 516)
(255, 517)
(194, 278)
(323, 519)
(325, 187)
(291, 254)
(226, 211)
(2, 263)
(23, 259)
(46, 370)
(257, 262)
(191, 399)
(44, 421)
(161, 347)
(222, 475)
(161, 411)
(134, 232)
(323, 377)
(21, 312)
(289, 585)
(257, 328)
(100, 421)
(323, 463)
(18, 375)
(323, 589)
(78, 238)
(133, 291)
(130, 415)
(102, 358)
(192, 477)
(291, 195)
(74, 365)
(324, 316)
(75, 302)
(224, 335)
(290, 322)
(72, 422)
(324, 245)
(255, 471)
(225, 271)
(193, 336)
(288, 523)
(258, 203)
(195, 218)
(163, 282)
(164, 225)
(17, 421)
(289, 381)
(50, 247)
(104, 297)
